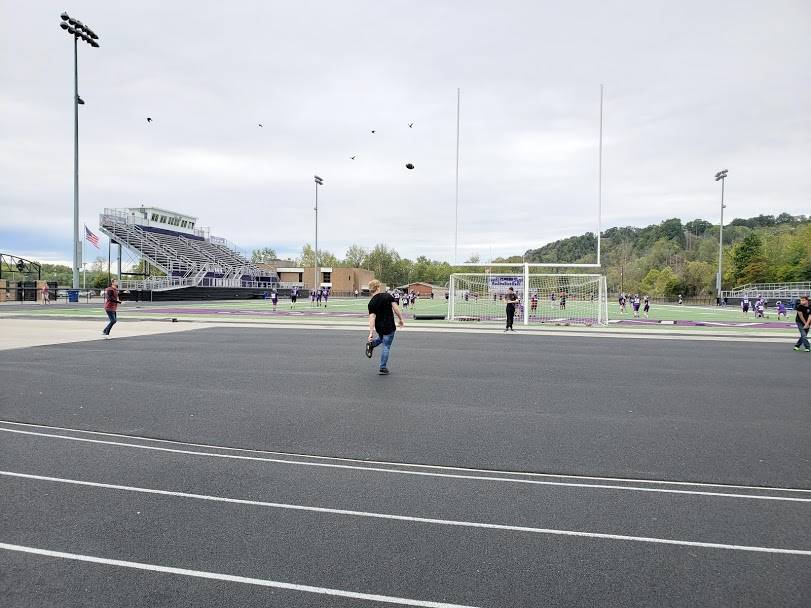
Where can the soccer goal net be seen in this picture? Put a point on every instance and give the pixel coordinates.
(562, 299)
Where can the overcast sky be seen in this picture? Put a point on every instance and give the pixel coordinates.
(692, 87)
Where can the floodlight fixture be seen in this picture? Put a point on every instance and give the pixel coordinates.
(721, 176)
(78, 30)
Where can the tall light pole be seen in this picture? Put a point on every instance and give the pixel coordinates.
(318, 182)
(78, 30)
(721, 176)
(456, 208)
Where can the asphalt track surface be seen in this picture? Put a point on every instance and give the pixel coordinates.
(568, 472)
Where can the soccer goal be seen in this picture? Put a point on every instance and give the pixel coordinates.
(558, 299)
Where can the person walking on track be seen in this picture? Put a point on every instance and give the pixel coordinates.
(803, 320)
(111, 303)
(382, 309)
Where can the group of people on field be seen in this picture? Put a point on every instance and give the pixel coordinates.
(623, 300)
(761, 305)
(405, 298)
(319, 295)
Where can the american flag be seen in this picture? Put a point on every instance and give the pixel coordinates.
(91, 237)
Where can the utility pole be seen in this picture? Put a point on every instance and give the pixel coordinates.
(318, 182)
(721, 176)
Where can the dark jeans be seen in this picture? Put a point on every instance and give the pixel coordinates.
(386, 342)
(803, 341)
(510, 316)
(112, 316)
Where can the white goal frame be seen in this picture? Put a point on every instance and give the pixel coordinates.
(525, 291)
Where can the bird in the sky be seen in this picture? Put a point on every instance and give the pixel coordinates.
(352, 158)
(260, 124)
(148, 119)
(411, 124)
(373, 131)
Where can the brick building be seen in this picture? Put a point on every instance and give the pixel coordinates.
(339, 279)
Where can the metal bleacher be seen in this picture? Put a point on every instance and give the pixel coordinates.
(770, 291)
(184, 260)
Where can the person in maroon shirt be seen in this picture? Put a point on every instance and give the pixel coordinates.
(111, 303)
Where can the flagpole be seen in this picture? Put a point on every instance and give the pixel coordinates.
(84, 264)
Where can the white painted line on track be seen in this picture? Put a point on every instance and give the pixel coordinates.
(487, 474)
(231, 578)
(412, 519)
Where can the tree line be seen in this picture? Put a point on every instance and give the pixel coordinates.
(662, 259)
(665, 259)
(673, 258)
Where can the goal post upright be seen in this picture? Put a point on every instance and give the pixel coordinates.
(451, 292)
(525, 299)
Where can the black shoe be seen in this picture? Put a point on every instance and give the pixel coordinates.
(384, 371)
(369, 348)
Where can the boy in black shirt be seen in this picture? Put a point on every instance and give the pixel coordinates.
(382, 308)
(803, 320)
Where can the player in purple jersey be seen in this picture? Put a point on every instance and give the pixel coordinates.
(745, 306)
(635, 304)
(274, 297)
(326, 296)
(781, 310)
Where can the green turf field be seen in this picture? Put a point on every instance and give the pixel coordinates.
(260, 309)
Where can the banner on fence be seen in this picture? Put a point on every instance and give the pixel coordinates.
(506, 281)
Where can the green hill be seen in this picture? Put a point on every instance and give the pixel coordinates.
(674, 257)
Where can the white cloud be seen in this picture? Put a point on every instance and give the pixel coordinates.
(685, 97)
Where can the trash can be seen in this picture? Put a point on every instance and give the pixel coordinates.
(73, 295)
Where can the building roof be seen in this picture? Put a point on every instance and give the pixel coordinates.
(161, 210)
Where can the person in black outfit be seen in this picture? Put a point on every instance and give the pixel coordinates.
(512, 300)
(803, 320)
(382, 308)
